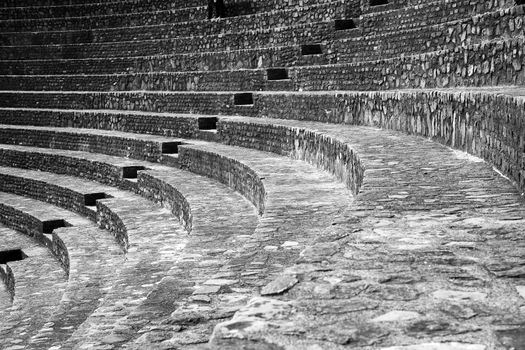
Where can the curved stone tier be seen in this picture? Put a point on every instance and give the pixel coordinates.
(268, 184)
(69, 8)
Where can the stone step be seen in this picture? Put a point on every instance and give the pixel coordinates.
(178, 190)
(402, 72)
(137, 146)
(229, 269)
(9, 4)
(72, 194)
(95, 8)
(276, 17)
(423, 224)
(274, 56)
(192, 43)
(164, 101)
(104, 20)
(39, 287)
(162, 124)
(40, 284)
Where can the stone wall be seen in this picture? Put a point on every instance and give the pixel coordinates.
(46, 192)
(489, 26)
(157, 124)
(487, 125)
(323, 151)
(229, 171)
(153, 188)
(188, 102)
(105, 144)
(486, 64)
(59, 164)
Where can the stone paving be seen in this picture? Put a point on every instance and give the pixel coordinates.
(430, 253)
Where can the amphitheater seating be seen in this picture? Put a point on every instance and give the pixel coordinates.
(306, 174)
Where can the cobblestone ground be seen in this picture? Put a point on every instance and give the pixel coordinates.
(431, 253)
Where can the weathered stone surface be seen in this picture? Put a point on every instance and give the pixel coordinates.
(439, 346)
(394, 316)
(512, 338)
(280, 285)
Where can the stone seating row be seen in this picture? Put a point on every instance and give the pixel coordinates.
(446, 36)
(470, 134)
(472, 30)
(304, 15)
(177, 19)
(67, 51)
(444, 68)
(110, 20)
(427, 13)
(226, 25)
(278, 56)
(233, 8)
(40, 3)
(85, 9)
(297, 34)
(92, 277)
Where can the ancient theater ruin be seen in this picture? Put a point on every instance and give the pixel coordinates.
(262, 174)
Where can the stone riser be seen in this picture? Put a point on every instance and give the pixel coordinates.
(107, 21)
(262, 38)
(85, 9)
(307, 17)
(194, 102)
(136, 148)
(492, 63)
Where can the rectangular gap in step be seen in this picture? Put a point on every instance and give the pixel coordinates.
(90, 199)
(277, 73)
(243, 99)
(170, 147)
(311, 49)
(520, 2)
(344, 24)
(130, 172)
(378, 2)
(11, 255)
(207, 123)
(49, 225)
